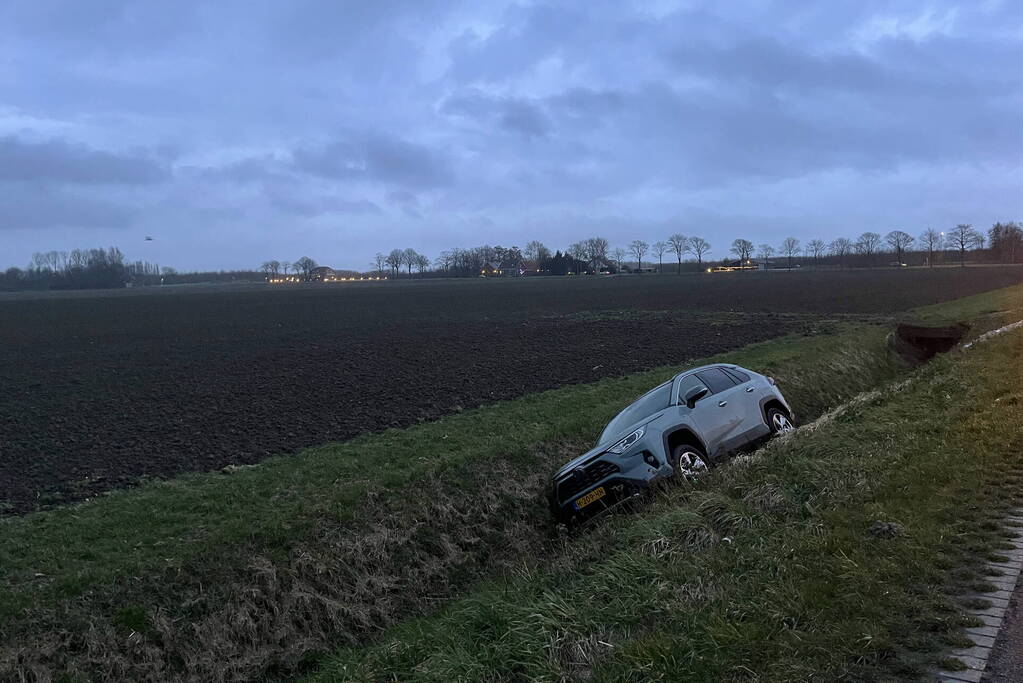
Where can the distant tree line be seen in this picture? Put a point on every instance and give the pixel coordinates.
(301, 268)
(898, 247)
(107, 268)
(75, 269)
(1004, 243)
(586, 256)
(103, 269)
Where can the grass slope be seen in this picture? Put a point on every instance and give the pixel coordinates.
(824, 556)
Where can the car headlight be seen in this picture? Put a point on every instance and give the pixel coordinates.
(628, 442)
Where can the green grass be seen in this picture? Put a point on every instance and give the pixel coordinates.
(977, 308)
(167, 524)
(340, 541)
(766, 570)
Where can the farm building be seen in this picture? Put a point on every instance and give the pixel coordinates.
(491, 269)
(322, 274)
(508, 269)
(518, 268)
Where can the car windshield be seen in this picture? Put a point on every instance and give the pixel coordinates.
(649, 403)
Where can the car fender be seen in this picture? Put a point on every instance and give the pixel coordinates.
(764, 400)
(675, 426)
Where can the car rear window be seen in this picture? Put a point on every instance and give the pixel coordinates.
(736, 374)
(716, 380)
(649, 403)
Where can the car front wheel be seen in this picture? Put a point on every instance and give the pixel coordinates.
(688, 461)
(779, 422)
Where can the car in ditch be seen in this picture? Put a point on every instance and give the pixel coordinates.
(677, 429)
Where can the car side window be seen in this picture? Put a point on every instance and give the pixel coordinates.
(716, 380)
(738, 375)
(686, 384)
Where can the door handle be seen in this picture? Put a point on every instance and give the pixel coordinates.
(749, 390)
(722, 404)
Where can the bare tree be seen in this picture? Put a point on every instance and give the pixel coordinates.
(931, 241)
(445, 260)
(962, 238)
(699, 246)
(766, 252)
(579, 254)
(868, 244)
(305, 266)
(409, 256)
(679, 244)
(395, 259)
(840, 248)
(638, 248)
(379, 261)
(422, 263)
(285, 267)
(267, 268)
(816, 249)
(536, 251)
(596, 251)
(900, 242)
(743, 249)
(789, 248)
(618, 254)
(659, 248)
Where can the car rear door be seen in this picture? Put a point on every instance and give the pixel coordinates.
(749, 397)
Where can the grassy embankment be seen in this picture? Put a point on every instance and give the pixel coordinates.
(842, 552)
(228, 576)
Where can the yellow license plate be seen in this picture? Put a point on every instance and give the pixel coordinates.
(595, 494)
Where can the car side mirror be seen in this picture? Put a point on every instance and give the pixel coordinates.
(694, 395)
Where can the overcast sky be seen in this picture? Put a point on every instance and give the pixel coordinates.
(236, 132)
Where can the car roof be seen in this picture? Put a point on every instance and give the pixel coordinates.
(705, 367)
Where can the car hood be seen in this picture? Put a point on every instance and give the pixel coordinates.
(602, 447)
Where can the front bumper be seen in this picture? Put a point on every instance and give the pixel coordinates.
(622, 478)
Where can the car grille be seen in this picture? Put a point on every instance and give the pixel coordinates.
(581, 479)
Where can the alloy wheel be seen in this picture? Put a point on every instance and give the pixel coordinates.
(691, 464)
(781, 423)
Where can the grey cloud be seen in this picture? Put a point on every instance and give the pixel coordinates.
(587, 103)
(318, 205)
(376, 158)
(101, 27)
(514, 114)
(37, 208)
(406, 201)
(57, 161)
(250, 170)
(410, 117)
(526, 36)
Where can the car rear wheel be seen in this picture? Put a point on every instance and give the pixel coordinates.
(688, 461)
(779, 421)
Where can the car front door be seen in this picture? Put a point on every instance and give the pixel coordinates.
(718, 415)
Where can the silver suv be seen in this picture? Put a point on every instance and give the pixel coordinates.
(676, 429)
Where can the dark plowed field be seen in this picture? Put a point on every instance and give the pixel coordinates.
(99, 390)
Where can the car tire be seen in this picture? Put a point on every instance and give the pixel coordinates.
(689, 461)
(779, 421)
